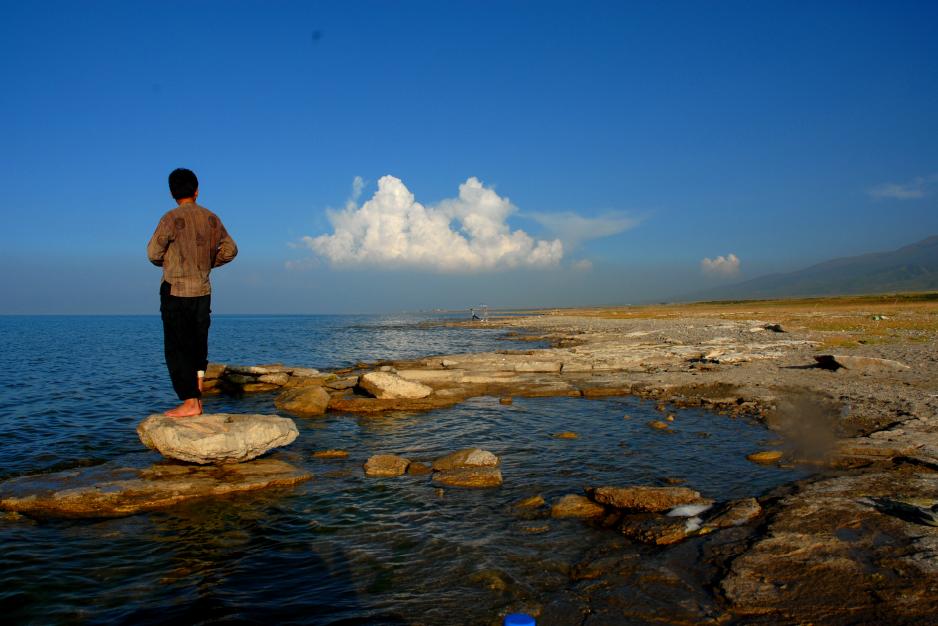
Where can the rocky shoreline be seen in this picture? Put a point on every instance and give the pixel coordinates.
(839, 547)
(855, 543)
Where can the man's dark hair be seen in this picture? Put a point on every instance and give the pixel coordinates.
(183, 183)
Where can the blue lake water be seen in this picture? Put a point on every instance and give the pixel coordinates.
(341, 548)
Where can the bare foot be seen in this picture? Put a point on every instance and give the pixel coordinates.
(188, 408)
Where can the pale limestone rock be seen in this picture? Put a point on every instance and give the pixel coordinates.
(432, 376)
(538, 366)
(384, 465)
(387, 385)
(304, 372)
(216, 438)
(469, 457)
(280, 379)
(258, 370)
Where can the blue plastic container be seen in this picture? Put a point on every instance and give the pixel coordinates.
(518, 619)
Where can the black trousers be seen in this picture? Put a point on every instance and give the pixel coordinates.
(185, 339)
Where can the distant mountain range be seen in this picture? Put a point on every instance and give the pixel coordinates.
(911, 268)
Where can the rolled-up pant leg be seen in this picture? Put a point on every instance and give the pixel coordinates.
(185, 340)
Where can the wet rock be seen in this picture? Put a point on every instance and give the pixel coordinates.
(240, 379)
(649, 499)
(385, 465)
(658, 425)
(216, 438)
(535, 530)
(387, 385)
(330, 454)
(363, 404)
(474, 477)
(505, 400)
(858, 363)
(765, 457)
(491, 579)
(574, 505)
(565, 435)
(113, 490)
(532, 502)
(654, 529)
(418, 469)
(305, 401)
(467, 458)
(734, 513)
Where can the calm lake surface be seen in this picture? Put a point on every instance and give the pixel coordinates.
(341, 548)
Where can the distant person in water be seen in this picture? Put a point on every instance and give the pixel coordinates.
(189, 241)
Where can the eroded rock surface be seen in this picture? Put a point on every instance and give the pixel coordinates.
(386, 465)
(575, 505)
(650, 499)
(116, 490)
(306, 401)
(216, 438)
(389, 386)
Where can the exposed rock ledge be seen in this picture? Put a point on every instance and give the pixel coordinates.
(216, 438)
(118, 489)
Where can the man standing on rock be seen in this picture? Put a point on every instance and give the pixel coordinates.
(189, 241)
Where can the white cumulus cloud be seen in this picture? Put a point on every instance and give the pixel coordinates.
(721, 266)
(469, 233)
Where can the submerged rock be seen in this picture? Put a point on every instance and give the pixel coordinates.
(658, 425)
(304, 401)
(574, 505)
(385, 465)
(565, 435)
(418, 469)
(655, 529)
(330, 454)
(216, 438)
(649, 499)
(388, 385)
(468, 457)
(531, 502)
(113, 490)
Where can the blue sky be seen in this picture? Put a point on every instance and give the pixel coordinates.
(644, 137)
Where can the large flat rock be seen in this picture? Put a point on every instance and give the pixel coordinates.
(120, 489)
(216, 438)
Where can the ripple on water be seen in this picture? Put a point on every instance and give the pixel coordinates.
(341, 546)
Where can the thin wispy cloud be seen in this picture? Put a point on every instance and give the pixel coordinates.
(468, 233)
(721, 266)
(573, 228)
(918, 187)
